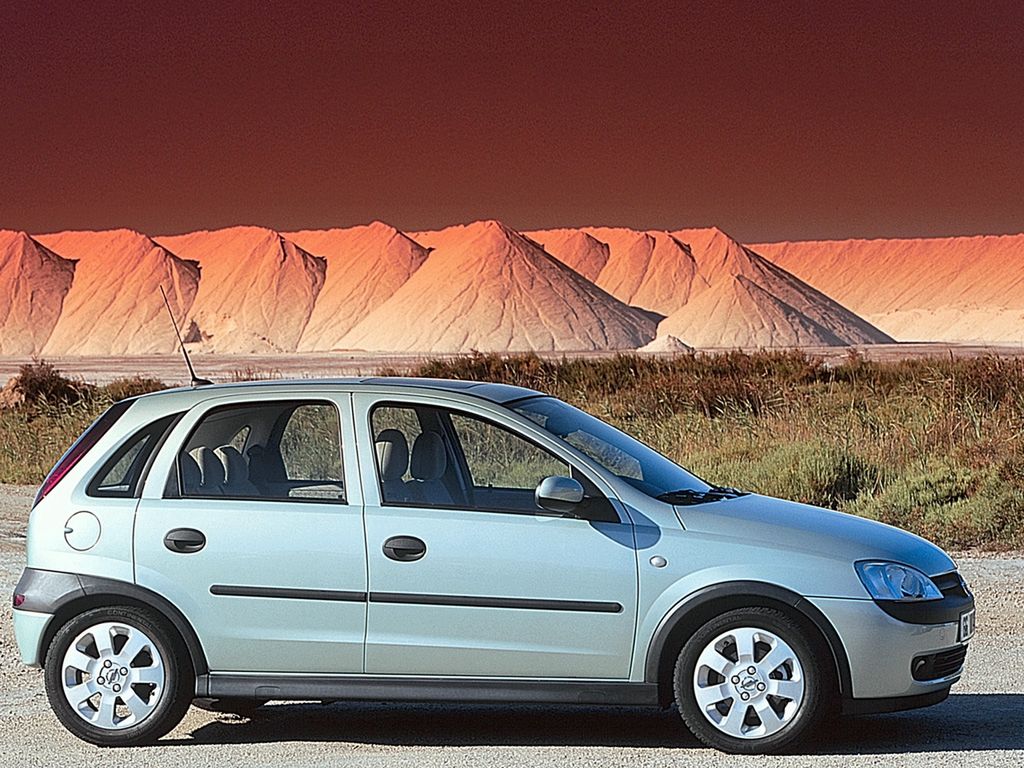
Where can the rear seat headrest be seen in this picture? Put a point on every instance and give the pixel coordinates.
(191, 476)
(236, 468)
(211, 467)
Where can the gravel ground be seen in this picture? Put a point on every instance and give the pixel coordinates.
(982, 723)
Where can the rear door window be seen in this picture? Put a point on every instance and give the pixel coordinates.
(265, 450)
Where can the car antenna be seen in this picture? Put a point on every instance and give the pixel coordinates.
(196, 381)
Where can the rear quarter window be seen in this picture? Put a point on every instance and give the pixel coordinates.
(122, 474)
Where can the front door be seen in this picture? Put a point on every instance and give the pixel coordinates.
(251, 525)
(467, 576)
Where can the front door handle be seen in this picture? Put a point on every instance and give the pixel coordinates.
(405, 549)
(184, 540)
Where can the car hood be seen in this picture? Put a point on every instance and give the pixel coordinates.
(788, 525)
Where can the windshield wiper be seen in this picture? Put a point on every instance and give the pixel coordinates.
(689, 496)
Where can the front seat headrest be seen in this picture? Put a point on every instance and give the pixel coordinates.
(392, 454)
(429, 459)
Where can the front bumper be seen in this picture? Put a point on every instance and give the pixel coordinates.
(882, 649)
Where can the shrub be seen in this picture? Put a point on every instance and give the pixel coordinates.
(40, 383)
(120, 389)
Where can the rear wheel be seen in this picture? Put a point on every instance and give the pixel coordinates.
(118, 676)
(752, 682)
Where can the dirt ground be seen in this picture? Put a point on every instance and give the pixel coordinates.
(221, 368)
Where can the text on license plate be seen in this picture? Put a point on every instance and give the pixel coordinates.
(966, 626)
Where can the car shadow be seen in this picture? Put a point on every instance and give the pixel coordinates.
(964, 722)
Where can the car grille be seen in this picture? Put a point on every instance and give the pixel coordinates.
(951, 585)
(936, 666)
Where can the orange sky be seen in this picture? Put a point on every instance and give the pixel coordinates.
(774, 121)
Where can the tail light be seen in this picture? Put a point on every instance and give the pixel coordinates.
(82, 446)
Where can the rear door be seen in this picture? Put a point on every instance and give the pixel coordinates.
(250, 523)
(503, 589)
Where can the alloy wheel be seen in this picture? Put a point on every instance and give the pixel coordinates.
(113, 675)
(748, 683)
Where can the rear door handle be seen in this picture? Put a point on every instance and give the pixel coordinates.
(405, 549)
(184, 540)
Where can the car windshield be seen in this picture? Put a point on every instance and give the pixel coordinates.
(625, 457)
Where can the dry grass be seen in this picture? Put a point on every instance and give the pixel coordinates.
(931, 445)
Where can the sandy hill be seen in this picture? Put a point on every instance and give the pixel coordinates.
(739, 299)
(33, 283)
(712, 290)
(114, 306)
(257, 289)
(968, 289)
(576, 249)
(663, 344)
(488, 288)
(651, 270)
(365, 266)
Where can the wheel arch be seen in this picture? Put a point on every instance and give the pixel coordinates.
(703, 605)
(97, 592)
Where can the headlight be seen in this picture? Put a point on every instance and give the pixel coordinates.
(892, 581)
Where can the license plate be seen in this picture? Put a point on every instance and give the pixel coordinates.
(966, 626)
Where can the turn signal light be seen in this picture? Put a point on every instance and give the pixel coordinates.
(18, 600)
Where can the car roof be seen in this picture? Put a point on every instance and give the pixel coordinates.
(495, 393)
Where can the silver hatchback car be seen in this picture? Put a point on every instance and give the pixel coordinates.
(425, 540)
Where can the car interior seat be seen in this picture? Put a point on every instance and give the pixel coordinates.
(265, 467)
(191, 475)
(212, 471)
(393, 460)
(236, 472)
(427, 467)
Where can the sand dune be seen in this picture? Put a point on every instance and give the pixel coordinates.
(740, 299)
(114, 306)
(33, 283)
(968, 289)
(365, 266)
(667, 343)
(485, 287)
(576, 249)
(713, 291)
(651, 270)
(257, 289)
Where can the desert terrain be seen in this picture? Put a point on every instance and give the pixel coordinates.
(484, 286)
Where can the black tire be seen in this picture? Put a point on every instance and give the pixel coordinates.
(179, 677)
(819, 687)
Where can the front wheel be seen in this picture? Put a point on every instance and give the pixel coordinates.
(118, 676)
(751, 682)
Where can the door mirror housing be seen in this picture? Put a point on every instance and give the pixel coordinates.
(559, 494)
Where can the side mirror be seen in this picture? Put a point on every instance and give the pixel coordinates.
(558, 494)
